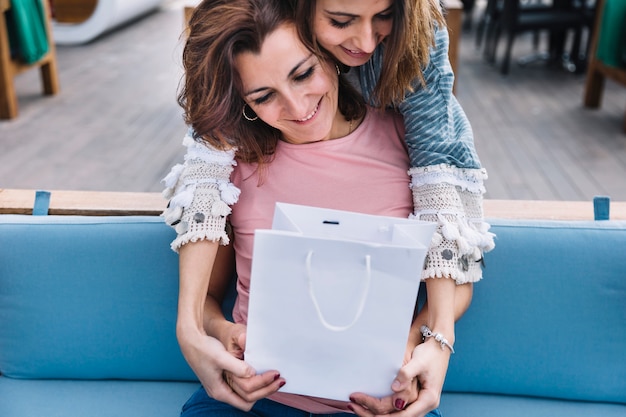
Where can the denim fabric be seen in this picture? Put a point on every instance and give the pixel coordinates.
(201, 405)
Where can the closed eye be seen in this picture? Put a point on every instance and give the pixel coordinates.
(340, 25)
(262, 99)
(385, 16)
(307, 74)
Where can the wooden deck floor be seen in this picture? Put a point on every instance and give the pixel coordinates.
(116, 125)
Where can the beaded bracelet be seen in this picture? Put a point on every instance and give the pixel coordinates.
(426, 332)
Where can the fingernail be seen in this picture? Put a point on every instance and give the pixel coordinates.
(276, 377)
(350, 408)
(395, 385)
(352, 399)
(399, 404)
(282, 384)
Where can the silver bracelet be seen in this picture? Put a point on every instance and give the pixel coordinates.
(426, 332)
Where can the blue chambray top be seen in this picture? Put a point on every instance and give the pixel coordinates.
(437, 129)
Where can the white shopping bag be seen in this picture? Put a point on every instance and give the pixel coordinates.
(332, 296)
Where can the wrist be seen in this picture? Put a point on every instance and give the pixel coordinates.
(438, 337)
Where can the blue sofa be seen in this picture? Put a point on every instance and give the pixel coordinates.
(88, 308)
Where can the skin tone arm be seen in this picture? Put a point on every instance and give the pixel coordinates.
(207, 355)
(426, 363)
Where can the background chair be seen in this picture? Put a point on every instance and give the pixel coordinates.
(11, 65)
(606, 57)
(519, 16)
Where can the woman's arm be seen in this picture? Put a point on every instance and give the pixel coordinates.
(206, 355)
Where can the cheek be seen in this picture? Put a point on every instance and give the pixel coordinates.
(268, 114)
(385, 28)
(327, 36)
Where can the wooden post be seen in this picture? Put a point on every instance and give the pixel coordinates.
(454, 19)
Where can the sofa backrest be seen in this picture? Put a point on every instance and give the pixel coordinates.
(549, 317)
(88, 298)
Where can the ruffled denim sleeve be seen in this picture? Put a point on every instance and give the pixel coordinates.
(200, 194)
(447, 179)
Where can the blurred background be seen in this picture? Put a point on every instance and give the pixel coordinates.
(113, 123)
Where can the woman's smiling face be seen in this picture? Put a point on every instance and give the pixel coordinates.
(289, 88)
(351, 29)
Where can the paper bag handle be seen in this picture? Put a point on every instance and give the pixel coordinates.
(368, 276)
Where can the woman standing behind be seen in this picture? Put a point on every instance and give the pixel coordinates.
(396, 52)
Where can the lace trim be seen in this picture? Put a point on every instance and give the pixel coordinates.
(461, 237)
(200, 193)
(466, 178)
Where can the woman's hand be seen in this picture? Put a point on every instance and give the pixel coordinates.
(249, 389)
(223, 374)
(417, 388)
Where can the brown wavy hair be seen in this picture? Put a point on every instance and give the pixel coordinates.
(211, 92)
(407, 48)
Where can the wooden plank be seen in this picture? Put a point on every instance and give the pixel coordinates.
(85, 203)
(549, 210)
(102, 203)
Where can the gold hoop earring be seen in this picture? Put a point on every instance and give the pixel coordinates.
(248, 118)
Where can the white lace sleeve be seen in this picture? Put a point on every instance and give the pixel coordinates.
(452, 197)
(200, 193)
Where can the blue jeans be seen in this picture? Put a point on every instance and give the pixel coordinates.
(201, 405)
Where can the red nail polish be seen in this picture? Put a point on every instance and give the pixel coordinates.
(399, 404)
(350, 408)
(276, 377)
(281, 384)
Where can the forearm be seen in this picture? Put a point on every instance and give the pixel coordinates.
(462, 298)
(195, 266)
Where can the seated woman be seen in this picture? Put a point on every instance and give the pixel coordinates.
(304, 137)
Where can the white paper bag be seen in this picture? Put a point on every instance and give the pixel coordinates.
(332, 296)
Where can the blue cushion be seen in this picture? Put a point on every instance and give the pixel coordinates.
(89, 298)
(549, 318)
(36, 398)
(477, 405)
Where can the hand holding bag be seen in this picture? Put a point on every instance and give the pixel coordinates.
(332, 296)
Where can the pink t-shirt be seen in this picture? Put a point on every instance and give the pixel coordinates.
(365, 172)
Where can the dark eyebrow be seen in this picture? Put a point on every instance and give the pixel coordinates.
(291, 73)
(298, 65)
(344, 14)
(340, 14)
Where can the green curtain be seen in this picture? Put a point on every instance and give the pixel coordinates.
(612, 40)
(26, 23)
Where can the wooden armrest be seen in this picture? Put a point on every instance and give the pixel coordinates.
(85, 203)
(107, 203)
(549, 210)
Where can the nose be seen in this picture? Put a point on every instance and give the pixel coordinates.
(367, 37)
(296, 105)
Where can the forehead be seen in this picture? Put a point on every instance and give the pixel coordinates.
(280, 52)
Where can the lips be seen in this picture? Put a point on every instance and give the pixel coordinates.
(356, 53)
(310, 115)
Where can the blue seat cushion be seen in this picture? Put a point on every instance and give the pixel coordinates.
(71, 398)
(482, 405)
